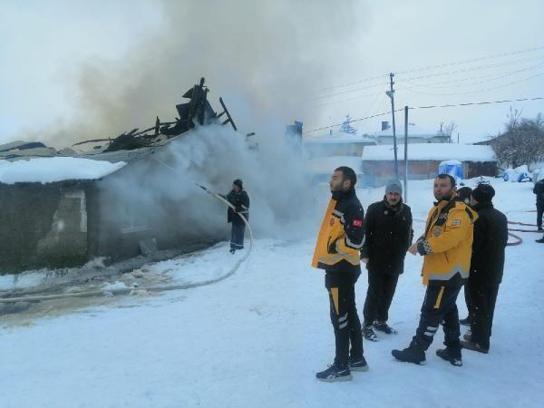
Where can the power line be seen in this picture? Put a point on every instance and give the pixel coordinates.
(481, 78)
(499, 101)
(436, 66)
(472, 60)
(476, 90)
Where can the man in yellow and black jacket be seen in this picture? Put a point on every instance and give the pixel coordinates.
(447, 248)
(337, 251)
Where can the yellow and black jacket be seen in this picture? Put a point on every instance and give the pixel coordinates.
(447, 243)
(341, 235)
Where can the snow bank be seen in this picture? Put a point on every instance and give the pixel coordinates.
(431, 151)
(53, 169)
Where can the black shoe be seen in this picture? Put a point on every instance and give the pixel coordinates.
(541, 240)
(452, 355)
(334, 373)
(384, 327)
(469, 345)
(232, 250)
(465, 322)
(368, 333)
(358, 365)
(413, 354)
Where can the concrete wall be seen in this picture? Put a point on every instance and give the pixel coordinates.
(42, 225)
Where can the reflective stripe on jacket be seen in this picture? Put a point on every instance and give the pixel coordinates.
(447, 242)
(341, 234)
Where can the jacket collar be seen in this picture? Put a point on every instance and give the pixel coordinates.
(482, 206)
(395, 207)
(343, 195)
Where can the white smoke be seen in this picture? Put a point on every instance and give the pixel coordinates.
(164, 185)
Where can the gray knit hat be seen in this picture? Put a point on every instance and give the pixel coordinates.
(393, 187)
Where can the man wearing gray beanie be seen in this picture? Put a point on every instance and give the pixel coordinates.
(388, 235)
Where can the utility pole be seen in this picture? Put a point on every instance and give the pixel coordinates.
(406, 153)
(391, 94)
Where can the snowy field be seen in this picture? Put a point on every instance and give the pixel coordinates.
(257, 338)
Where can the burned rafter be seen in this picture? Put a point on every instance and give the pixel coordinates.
(196, 111)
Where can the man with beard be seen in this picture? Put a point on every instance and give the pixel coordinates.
(337, 251)
(486, 269)
(447, 247)
(388, 235)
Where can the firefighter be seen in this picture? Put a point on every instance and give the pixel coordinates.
(240, 200)
(337, 251)
(446, 246)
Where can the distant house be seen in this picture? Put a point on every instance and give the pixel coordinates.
(327, 152)
(416, 134)
(336, 144)
(424, 160)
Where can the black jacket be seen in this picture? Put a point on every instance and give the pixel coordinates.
(538, 189)
(241, 202)
(388, 235)
(490, 238)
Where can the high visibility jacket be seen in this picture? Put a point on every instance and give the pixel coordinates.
(341, 235)
(447, 243)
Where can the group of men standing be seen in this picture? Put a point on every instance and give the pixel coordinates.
(462, 244)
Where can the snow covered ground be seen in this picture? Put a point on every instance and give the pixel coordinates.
(258, 337)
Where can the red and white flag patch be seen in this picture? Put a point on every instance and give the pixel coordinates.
(357, 223)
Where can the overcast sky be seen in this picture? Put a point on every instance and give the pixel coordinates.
(77, 69)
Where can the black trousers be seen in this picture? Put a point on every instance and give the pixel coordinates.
(344, 318)
(381, 288)
(237, 236)
(468, 300)
(439, 306)
(539, 212)
(484, 298)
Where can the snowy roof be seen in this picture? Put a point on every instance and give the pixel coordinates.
(53, 169)
(431, 151)
(413, 131)
(327, 165)
(339, 137)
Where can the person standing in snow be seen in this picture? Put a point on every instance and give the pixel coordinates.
(486, 269)
(538, 189)
(388, 235)
(463, 194)
(240, 200)
(337, 251)
(447, 247)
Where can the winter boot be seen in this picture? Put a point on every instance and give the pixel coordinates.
(384, 327)
(334, 373)
(541, 240)
(368, 333)
(453, 355)
(465, 321)
(412, 354)
(358, 364)
(469, 345)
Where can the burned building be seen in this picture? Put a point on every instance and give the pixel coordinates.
(66, 217)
